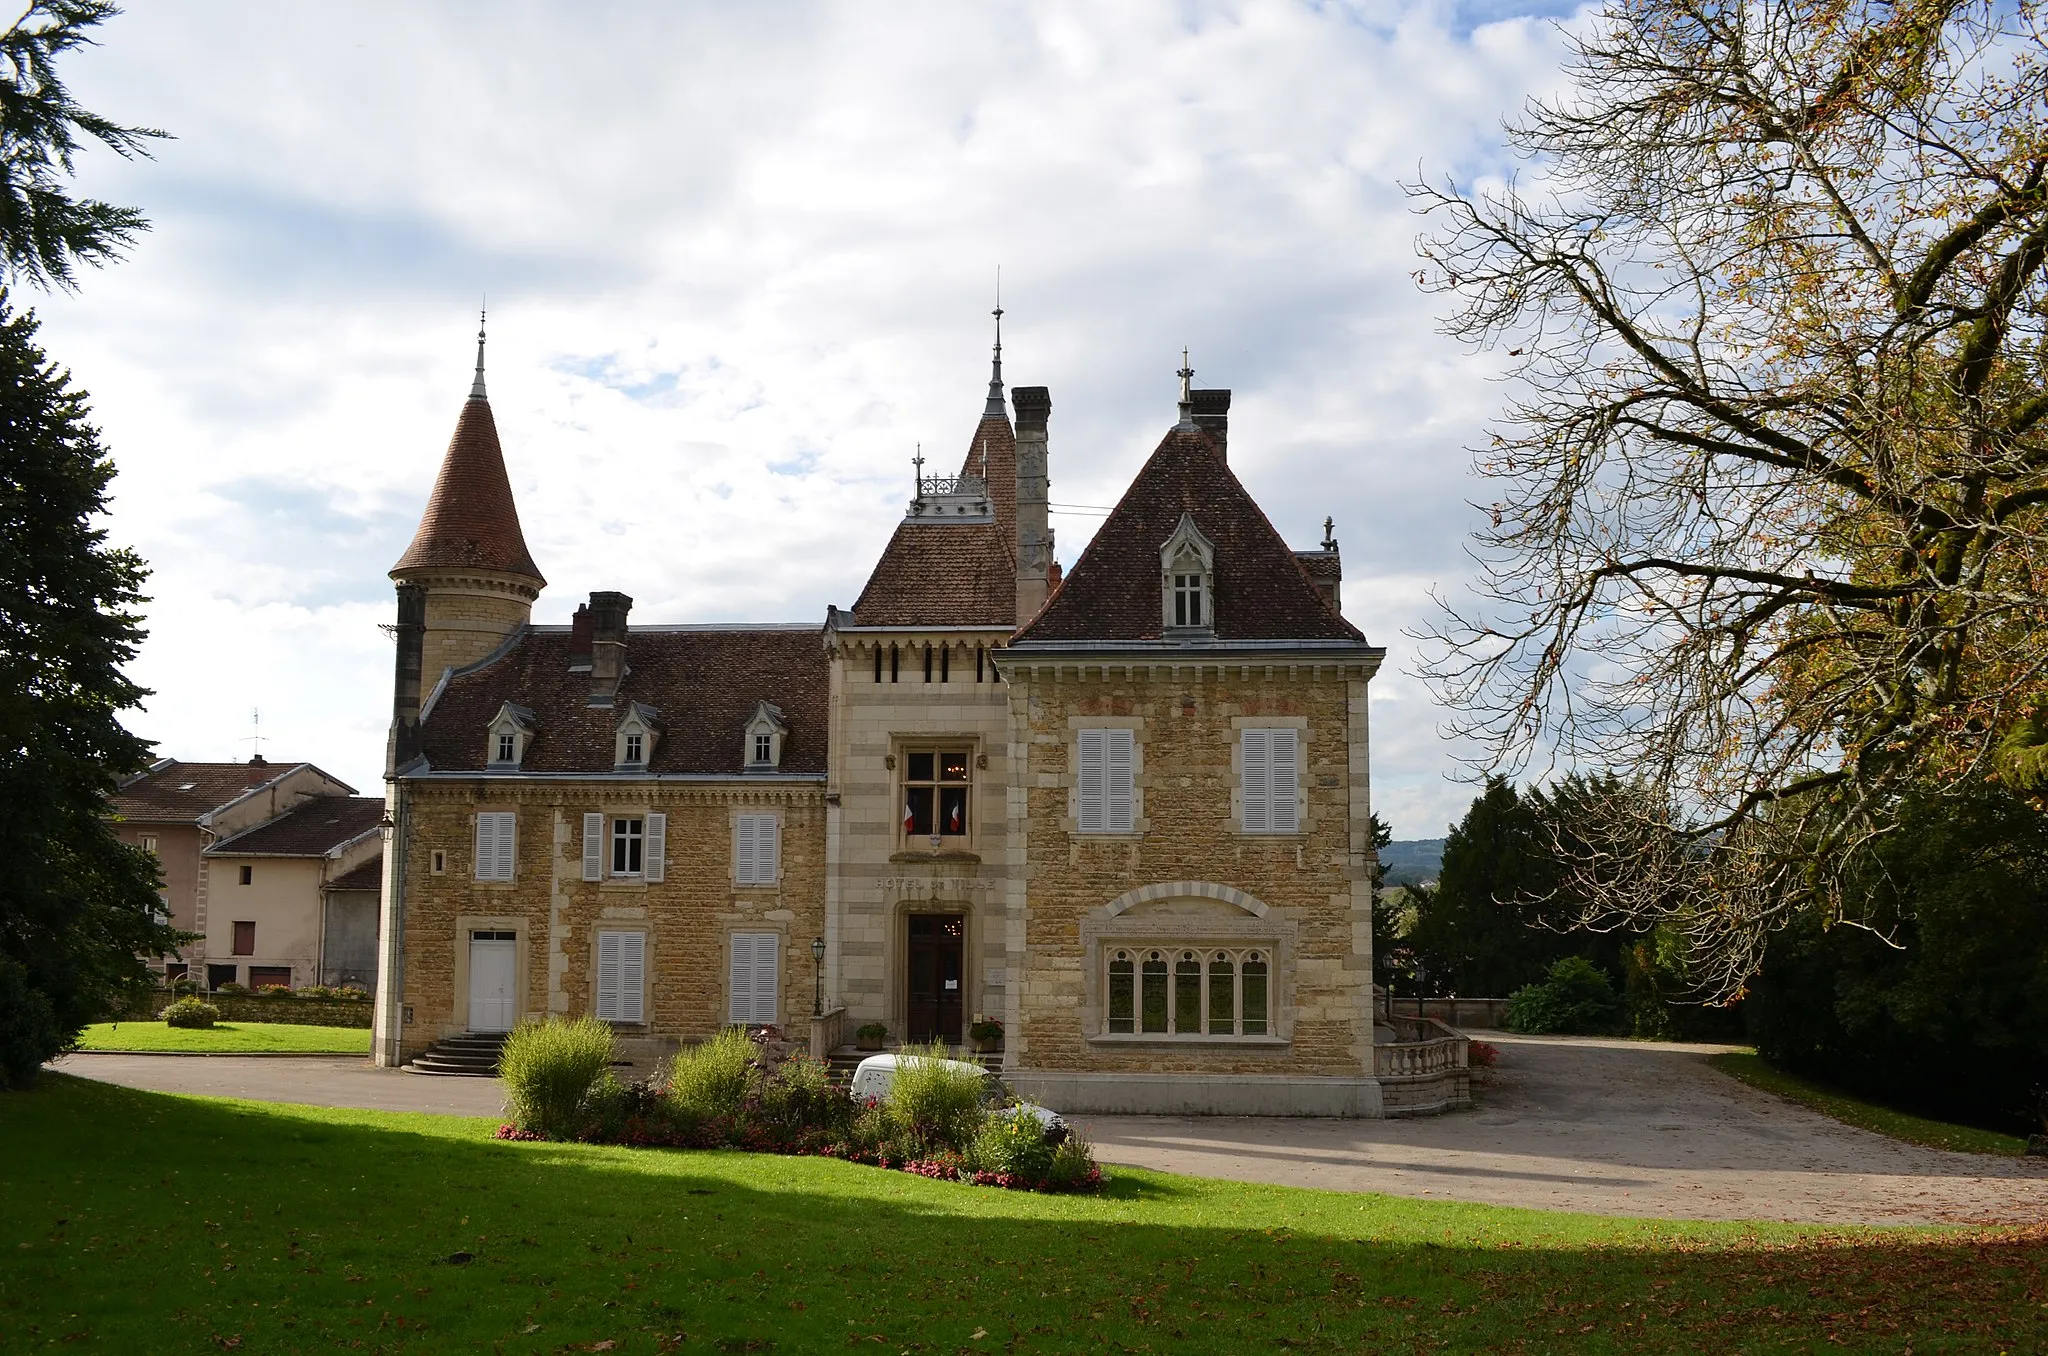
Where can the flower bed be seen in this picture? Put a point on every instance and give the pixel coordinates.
(752, 1091)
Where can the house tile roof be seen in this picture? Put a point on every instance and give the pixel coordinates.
(471, 521)
(705, 681)
(312, 828)
(1113, 592)
(954, 574)
(368, 876)
(180, 793)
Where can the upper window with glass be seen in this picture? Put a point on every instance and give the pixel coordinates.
(1187, 581)
(1188, 609)
(937, 793)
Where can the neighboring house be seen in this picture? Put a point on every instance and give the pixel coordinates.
(177, 810)
(1126, 812)
(348, 923)
(272, 904)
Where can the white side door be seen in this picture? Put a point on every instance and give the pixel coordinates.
(492, 962)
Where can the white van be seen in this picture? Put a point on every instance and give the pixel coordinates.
(875, 1075)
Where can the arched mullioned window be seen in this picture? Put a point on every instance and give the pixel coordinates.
(1188, 991)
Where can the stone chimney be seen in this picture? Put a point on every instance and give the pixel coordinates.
(1212, 416)
(1034, 535)
(607, 645)
(579, 638)
(404, 743)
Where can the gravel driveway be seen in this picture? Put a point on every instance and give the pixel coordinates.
(1608, 1127)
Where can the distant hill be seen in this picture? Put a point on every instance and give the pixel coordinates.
(1412, 861)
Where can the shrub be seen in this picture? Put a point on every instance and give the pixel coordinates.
(191, 1014)
(312, 991)
(799, 1105)
(710, 1082)
(184, 986)
(1577, 999)
(354, 993)
(987, 1029)
(938, 1104)
(871, 1031)
(549, 1070)
(275, 991)
(1012, 1144)
(1073, 1167)
(1480, 1055)
(233, 990)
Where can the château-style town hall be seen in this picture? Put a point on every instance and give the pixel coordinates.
(1124, 813)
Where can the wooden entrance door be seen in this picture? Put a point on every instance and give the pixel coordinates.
(937, 982)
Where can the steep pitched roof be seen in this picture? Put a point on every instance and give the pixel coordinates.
(312, 828)
(471, 521)
(705, 681)
(1262, 591)
(954, 574)
(179, 793)
(368, 876)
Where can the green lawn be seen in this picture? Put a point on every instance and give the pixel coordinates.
(1751, 1069)
(228, 1038)
(134, 1221)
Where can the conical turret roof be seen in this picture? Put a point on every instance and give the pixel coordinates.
(471, 521)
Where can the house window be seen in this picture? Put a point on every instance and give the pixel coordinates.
(270, 976)
(147, 842)
(627, 835)
(764, 748)
(495, 831)
(621, 976)
(1187, 991)
(1269, 781)
(1106, 788)
(753, 997)
(756, 849)
(936, 786)
(437, 862)
(248, 873)
(217, 975)
(633, 743)
(245, 940)
(508, 748)
(1187, 600)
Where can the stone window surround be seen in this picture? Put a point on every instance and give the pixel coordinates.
(1173, 954)
(920, 847)
(521, 928)
(1071, 821)
(646, 971)
(1305, 817)
(609, 884)
(469, 857)
(1187, 547)
(1108, 928)
(782, 968)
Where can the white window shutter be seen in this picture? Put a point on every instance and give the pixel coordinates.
(1286, 810)
(507, 828)
(486, 850)
(608, 949)
(743, 834)
(655, 850)
(1254, 781)
(766, 945)
(593, 847)
(753, 978)
(1118, 780)
(632, 976)
(1094, 767)
(767, 849)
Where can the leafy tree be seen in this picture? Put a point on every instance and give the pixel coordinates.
(79, 909)
(1576, 998)
(44, 232)
(1769, 513)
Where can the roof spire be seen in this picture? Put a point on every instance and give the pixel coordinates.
(476, 388)
(995, 409)
(1187, 393)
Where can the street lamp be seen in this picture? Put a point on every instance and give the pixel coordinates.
(817, 976)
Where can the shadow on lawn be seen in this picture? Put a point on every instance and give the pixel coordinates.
(135, 1220)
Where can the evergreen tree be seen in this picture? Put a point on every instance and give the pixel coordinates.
(79, 910)
(1480, 933)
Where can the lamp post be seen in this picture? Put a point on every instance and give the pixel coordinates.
(817, 976)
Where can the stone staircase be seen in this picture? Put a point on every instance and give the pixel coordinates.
(474, 1055)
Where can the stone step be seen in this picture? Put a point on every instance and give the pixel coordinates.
(471, 1055)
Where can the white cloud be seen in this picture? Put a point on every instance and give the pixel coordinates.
(739, 261)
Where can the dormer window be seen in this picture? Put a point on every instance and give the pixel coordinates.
(511, 730)
(1187, 583)
(765, 728)
(638, 730)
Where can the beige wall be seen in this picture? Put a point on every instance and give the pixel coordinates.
(879, 878)
(687, 916)
(282, 899)
(177, 854)
(1309, 897)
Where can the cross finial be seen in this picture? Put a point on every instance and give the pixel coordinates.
(994, 408)
(476, 388)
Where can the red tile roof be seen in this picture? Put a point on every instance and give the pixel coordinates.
(471, 521)
(312, 828)
(179, 793)
(1113, 591)
(954, 574)
(705, 682)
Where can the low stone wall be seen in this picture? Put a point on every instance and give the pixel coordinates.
(294, 1011)
(1484, 1014)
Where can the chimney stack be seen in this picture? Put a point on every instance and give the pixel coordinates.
(411, 632)
(607, 644)
(579, 638)
(1034, 535)
(1212, 416)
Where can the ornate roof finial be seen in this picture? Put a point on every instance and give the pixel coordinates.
(476, 388)
(917, 470)
(1187, 392)
(995, 408)
(1329, 534)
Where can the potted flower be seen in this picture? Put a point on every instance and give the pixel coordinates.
(869, 1036)
(987, 1035)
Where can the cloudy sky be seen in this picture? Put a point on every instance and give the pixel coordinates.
(739, 262)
